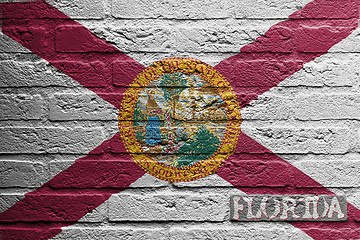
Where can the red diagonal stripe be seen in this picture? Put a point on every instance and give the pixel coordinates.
(256, 170)
(70, 47)
(288, 45)
(71, 194)
(15, 26)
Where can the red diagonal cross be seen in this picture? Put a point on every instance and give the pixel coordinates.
(76, 191)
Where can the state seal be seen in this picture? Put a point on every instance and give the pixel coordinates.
(180, 119)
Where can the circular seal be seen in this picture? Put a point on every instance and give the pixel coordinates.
(180, 119)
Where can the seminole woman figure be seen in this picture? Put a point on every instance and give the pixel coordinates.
(153, 134)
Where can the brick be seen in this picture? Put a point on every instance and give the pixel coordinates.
(337, 234)
(92, 172)
(259, 173)
(249, 233)
(7, 200)
(99, 214)
(26, 107)
(264, 10)
(201, 38)
(78, 39)
(112, 233)
(75, 140)
(317, 32)
(349, 44)
(320, 140)
(338, 173)
(31, 74)
(323, 9)
(90, 74)
(168, 208)
(22, 233)
(353, 197)
(358, 141)
(325, 140)
(80, 9)
(21, 174)
(46, 207)
(323, 93)
(34, 37)
(122, 71)
(257, 232)
(172, 9)
(326, 106)
(268, 107)
(148, 181)
(332, 70)
(30, 10)
(259, 73)
(215, 38)
(8, 45)
(49, 140)
(67, 106)
(152, 39)
(212, 180)
(147, 59)
(22, 140)
(55, 167)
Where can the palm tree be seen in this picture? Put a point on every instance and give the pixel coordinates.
(172, 85)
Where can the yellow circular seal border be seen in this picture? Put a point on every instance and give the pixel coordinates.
(199, 169)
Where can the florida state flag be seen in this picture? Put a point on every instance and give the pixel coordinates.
(104, 146)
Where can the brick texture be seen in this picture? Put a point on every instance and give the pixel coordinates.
(297, 81)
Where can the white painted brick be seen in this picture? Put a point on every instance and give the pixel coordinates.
(30, 74)
(149, 31)
(21, 174)
(99, 214)
(263, 9)
(233, 233)
(106, 233)
(172, 9)
(148, 38)
(358, 140)
(333, 70)
(209, 181)
(67, 106)
(149, 181)
(7, 200)
(268, 107)
(212, 59)
(338, 173)
(210, 9)
(15, 107)
(80, 9)
(334, 106)
(354, 197)
(175, 233)
(183, 38)
(50, 140)
(8, 45)
(21, 140)
(322, 140)
(214, 38)
(172, 207)
(76, 140)
(349, 44)
(58, 166)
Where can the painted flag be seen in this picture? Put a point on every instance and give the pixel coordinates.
(295, 78)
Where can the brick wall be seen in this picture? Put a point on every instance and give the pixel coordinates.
(48, 120)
